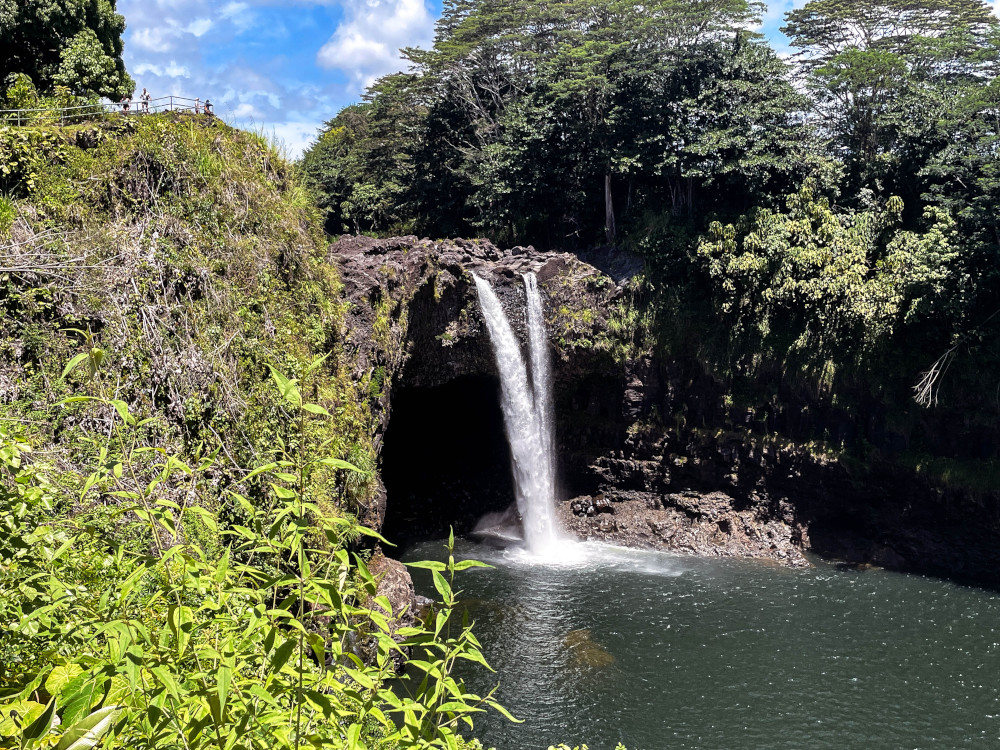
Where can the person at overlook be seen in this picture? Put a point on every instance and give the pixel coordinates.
(145, 99)
(208, 108)
(126, 102)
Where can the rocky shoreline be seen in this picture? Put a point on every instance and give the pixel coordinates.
(688, 522)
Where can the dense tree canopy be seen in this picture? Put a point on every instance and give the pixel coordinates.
(826, 219)
(71, 43)
(560, 122)
(880, 74)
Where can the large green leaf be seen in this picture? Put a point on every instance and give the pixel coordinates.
(40, 726)
(80, 696)
(61, 676)
(466, 564)
(288, 389)
(88, 732)
(26, 712)
(72, 364)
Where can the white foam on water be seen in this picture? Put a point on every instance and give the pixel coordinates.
(565, 553)
(589, 556)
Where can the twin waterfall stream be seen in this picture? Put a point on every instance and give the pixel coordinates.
(526, 400)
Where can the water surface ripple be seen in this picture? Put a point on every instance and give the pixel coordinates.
(659, 652)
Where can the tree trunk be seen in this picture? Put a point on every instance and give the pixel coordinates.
(609, 211)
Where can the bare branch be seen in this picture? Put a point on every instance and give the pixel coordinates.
(926, 391)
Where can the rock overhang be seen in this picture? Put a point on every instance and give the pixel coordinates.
(414, 310)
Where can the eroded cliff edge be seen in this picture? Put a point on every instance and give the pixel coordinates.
(652, 452)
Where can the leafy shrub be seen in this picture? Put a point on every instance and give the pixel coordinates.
(816, 288)
(21, 93)
(25, 154)
(8, 212)
(170, 647)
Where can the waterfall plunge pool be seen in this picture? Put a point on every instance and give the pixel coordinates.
(660, 652)
(600, 645)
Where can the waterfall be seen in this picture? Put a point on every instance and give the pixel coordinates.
(541, 380)
(527, 413)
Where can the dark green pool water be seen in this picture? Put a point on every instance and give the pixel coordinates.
(658, 651)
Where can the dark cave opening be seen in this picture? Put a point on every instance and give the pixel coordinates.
(445, 460)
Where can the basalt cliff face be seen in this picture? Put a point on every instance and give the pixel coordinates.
(651, 453)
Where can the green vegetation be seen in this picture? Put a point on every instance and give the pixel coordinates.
(130, 628)
(837, 238)
(815, 289)
(195, 282)
(183, 555)
(184, 549)
(541, 121)
(76, 45)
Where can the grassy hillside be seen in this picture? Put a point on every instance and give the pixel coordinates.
(189, 254)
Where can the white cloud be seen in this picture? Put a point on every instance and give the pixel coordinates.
(247, 111)
(265, 64)
(239, 15)
(173, 70)
(164, 33)
(153, 39)
(170, 70)
(293, 137)
(233, 10)
(367, 42)
(350, 49)
(199, 26)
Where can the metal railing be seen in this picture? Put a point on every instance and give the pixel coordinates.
(85, 112)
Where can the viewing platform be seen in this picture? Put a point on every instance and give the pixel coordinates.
(97, 110)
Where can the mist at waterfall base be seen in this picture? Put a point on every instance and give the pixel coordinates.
(663, 652)
(603, 645)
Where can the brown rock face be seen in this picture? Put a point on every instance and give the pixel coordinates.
(394, 583)
(414, 311)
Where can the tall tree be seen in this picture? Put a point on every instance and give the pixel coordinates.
(563, 66)
(871, 65)
(73, 43)
(927, 33)
(721, 124)
(555, 122)
(361, 165)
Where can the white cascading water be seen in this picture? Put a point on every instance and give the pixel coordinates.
(541, 379)
(527, 414)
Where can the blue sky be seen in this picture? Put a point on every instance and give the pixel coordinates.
(285, 66)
